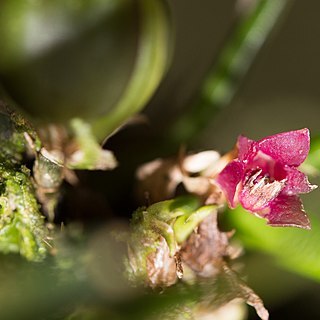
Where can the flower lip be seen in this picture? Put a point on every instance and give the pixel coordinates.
(259, 190)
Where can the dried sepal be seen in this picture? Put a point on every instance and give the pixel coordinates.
(205, 250)
(161, 267)
(207, 253)
(160, 178)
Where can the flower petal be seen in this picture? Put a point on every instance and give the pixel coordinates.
(297, 182)
(245, 148)
(258, 192)
(229, 178)
(287, 211)
(289, 148)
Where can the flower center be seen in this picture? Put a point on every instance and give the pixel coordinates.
(259, 190)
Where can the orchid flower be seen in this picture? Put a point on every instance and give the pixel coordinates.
(265, 178)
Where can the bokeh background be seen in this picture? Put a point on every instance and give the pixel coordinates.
(279, 92)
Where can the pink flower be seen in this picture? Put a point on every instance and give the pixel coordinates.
(265, 180)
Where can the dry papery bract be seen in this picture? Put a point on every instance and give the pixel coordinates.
(160, 178)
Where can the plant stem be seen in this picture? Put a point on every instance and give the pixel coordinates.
(232, 65)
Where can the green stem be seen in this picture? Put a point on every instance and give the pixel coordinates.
(232, 64)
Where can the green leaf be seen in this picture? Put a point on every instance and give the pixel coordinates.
(152, 60)
(295, 249)
(185, 224)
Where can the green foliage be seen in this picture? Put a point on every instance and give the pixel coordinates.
(153, 56)
(296, 250)
(22, 227)
(21, 223)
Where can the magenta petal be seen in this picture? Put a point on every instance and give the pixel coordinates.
(287, 211)
(245, 147)
(229, 178)
(297, 182)
(289, 148)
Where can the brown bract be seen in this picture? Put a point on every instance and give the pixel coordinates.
(205, 252)
(161, 178)
(208, 253)
(161, 268)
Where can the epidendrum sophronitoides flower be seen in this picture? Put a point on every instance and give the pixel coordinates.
(265, 180)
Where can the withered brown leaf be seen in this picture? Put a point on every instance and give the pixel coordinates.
(207, 253)
(161, 268)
